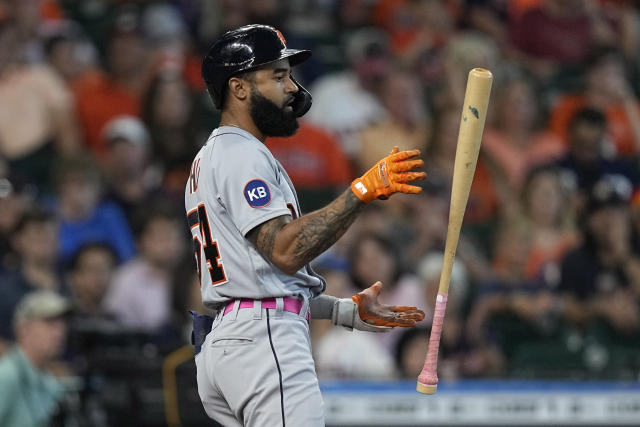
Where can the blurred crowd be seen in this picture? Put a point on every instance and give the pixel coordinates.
(102, 109)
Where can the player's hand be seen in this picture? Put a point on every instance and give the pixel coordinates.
(390, 176)
(372, 312)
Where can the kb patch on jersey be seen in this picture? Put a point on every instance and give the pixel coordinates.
(257, 193)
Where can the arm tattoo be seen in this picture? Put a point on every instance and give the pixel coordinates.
(310, 235)
(263, 236)
(323, 228)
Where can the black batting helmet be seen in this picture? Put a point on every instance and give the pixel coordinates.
(245, 49)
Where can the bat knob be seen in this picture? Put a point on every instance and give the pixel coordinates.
(426, 388)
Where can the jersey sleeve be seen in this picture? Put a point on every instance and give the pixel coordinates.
(248, 185)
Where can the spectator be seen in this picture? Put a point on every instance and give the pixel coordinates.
(407, 123)
(549, 210)
(34, 241)
(458, 358)
(467, 50)
(315, 162)
(410, 352)
(557, 33)
(586, 160)
(353, 355)
(345, 103)
(600, 280)
(415, 26)
(140, 295)
(89, 276)
(83, 217)
(37, 117)
(29, 396)
(131, 178)
(607, 89)
(69, 53)
(373, 258)
(514, 140)
(120, 87)
(14, 201)
(168, 111)
(483, 203)
(343, 354)
(426, 216)
(25, 17)
(492, 18)
(510, 310)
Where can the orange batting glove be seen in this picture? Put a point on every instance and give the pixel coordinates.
(374, 313)
(389, 176)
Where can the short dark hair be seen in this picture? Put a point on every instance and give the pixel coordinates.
(33, 215)
(603, 53)
(247, 75)
(591, 116)
(386, 244)
(87, 247)
(155, 210)
(82, 164)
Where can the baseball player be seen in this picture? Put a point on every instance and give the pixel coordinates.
(253, 249)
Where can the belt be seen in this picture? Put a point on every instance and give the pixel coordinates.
(292, 305)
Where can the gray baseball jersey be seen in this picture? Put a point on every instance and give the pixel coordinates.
(236, 184)
(255, 367)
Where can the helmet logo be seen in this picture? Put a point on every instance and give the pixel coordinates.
(281, 37)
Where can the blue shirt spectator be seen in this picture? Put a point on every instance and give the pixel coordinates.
(106, 224)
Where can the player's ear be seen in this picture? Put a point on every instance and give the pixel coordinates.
(238, 88)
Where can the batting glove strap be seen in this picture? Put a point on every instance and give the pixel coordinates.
(345, 313)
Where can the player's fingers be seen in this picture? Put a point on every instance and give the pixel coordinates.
(379, 321)
(403, 155)
(402, 323)
(414, 312)
(407, 189)
(376, 288)
(409, 176)
(406, 165)
(415, 315)
(394, 151)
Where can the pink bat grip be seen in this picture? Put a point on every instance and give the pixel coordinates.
(429, 375)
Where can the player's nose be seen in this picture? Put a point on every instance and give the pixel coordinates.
(291, 87)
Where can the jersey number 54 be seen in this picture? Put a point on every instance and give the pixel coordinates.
(208, 248)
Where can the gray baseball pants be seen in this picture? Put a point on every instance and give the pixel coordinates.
(256, 369)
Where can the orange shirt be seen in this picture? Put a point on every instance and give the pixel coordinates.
(482, 205)
(99, 100)
(312, 158)
(618, 126)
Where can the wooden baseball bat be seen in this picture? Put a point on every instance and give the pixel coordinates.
(474, 113)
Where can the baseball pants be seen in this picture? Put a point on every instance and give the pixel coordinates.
(256, 369)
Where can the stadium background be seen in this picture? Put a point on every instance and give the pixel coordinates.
(102, 109)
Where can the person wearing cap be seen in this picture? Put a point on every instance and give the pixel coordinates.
(29, 396)
(253, 246)
(130, 177)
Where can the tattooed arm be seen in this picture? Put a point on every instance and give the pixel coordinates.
(291, 244)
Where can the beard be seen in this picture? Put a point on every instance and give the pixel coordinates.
(270, 119)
